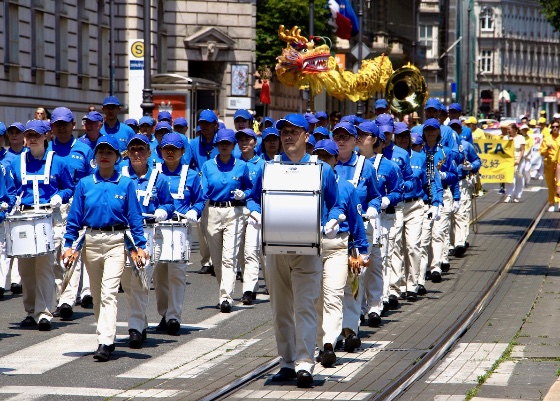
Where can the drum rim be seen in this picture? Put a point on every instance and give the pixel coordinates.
(30, 217)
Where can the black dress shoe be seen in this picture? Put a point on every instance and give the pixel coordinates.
(467, 244)
(87, 302)
(374, 320)
(29, 321)
(206, 270)
(339, 345)
(162, 326)
(247, 298)
(225, 307)
(328, 357)
(56, 312)
(66, 311)
(16, 288)
(393, 302)
(460, 250)
(254, 295)
(411, 296)
(144, 335)
(428, 275)
(134, 339)
(362, 319)
(173, 327)
(44, 324)
(103, 353)
(284, 375)
(351, 342)
(421, 290)
(385, 309)
(402, 295)
(1, 292)
(451, 252)
(436, 277)
(239, 276)
(304, 379)
(445, 266)
(319, 356)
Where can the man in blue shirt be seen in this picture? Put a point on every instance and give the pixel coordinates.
(146, 127)
(93, 122)
(123, 133)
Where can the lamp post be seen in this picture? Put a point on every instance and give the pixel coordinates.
(360, 105)
(147, 99)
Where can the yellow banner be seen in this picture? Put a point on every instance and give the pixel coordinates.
(496, 157)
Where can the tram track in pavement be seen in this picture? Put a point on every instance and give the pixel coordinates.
(399, 385)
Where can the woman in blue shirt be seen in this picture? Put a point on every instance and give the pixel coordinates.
(106, 204)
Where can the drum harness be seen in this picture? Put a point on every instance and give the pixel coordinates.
(35, 178)
(147, 194)
(182, 181)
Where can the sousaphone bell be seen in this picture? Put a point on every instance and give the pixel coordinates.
(406, 90)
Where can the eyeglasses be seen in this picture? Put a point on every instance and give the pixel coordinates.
(342, 137)
(555, 126)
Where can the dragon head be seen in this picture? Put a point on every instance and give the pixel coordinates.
(301, 55)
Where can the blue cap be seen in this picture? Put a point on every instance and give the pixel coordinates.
(311, 119)
(431, 122)
(432, 103)
(321, 114)
(181, 121)
(164, 125)
(227, 135)
(327, 145)
(270, 131)
(242, 113)
(371, 128)
(47, 124)
(131, 121)
(385, 122)
(456, 121)
(358, 120)
(2, 129)
(295, 119)
(381, 104)
(322, 131)
(139, 137)
(208, 115)
(351, 118)
(146, 120)
(401, 127)
(311, 140)
(443, 108)
(17, 125)
(173, 139)
(456, 107)
(37, 126)
(221, 125)
(62, 114)
(111, 100)
(164, 116)
(267, 119)
(246, 131)
(346, 126)
(416, 138)
(109, 140)
(94, 116)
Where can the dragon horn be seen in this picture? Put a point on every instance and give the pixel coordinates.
(290, 37)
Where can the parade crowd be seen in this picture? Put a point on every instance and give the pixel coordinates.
(117, 207)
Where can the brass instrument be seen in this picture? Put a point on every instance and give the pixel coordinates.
(406, 90)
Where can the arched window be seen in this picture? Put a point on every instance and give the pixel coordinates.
(487, 19)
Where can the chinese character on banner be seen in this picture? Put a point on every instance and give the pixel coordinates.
(497, 159)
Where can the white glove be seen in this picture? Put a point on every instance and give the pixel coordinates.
(442, 175)
(238, 194)
(435, 212)
(466, 167)
(160, 215)
(255, 220)
(331, 229)
(385, 202)
(56, 201)
(4, 206)
(191, 216)
(371, 213)
(456, 206)
(365, 258)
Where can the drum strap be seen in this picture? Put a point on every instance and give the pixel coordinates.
(182, 182)
(125, 172)
(148, 193)
(358, 171)
(35, 178)
(377, 162)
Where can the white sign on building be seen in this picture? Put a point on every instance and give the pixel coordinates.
(135, 77)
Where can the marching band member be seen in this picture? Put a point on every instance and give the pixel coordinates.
(549, 151)
(270, 143)
(323, 119)
(185, 187)
(146, 127)
(17, 142)
(243, 119)
(112, 126)
(226, 184)
(465, 133)
(166, 116)
(40, 178)
(133, 124)
(93, 122)
(351, 234)
(106, 204)
(152, 192)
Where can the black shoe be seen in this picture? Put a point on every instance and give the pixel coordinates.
(328, 358)
(460, 250)
(16, 288)
(239, 276)
(467, 244)
(121, 290)
(173, 327)
(206, 270)
(411, 296)
(56, 312)
(445, 266)
(339, 345)
(29, 321)
(451, 252)
(319, 356)
(374, 320)
(87, 302)
(304, 379)
(1, 292)
(66, 311)
(144, 335)
(428, 275)
(103, 352)
(284, 375)
(402, 295)
(134, 339)
(44, 325)
(352, 342)
(254, 295)
(385, 309)
(162, 326)
(436, 277)
(225, 307)
(247, 298)
(393, 302)
(422, 290)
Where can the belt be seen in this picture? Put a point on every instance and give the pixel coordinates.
(227, 203)
(116, 227)
(26, 207)
(414, 199)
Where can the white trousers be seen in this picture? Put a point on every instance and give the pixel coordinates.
(205, 259)
(170, 287)
(329, 304)
(425, 246)
(37, 279)
(104, 257)
(515, 188)
(224, 229)
(440, 233)
(250, 257)
(462, 217)
(294, 283)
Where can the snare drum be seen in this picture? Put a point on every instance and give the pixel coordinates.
(176, 245)
(291, 209)
(29, 235)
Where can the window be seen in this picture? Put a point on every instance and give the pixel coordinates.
(11, 31)
(428, 38)
(487, 19)
(485, 61)
(38, 40)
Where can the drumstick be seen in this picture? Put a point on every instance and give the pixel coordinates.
(341, 218)
(4, 206)
(247, 213)
(148, 215)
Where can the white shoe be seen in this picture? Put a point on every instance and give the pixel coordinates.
(541, 177)
(507, 199)
(516, 200)
(551, 208)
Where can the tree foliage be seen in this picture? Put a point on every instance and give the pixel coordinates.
(273, 13)
(551, 10)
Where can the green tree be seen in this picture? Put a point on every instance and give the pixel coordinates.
(551, 10)
(273, 13)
